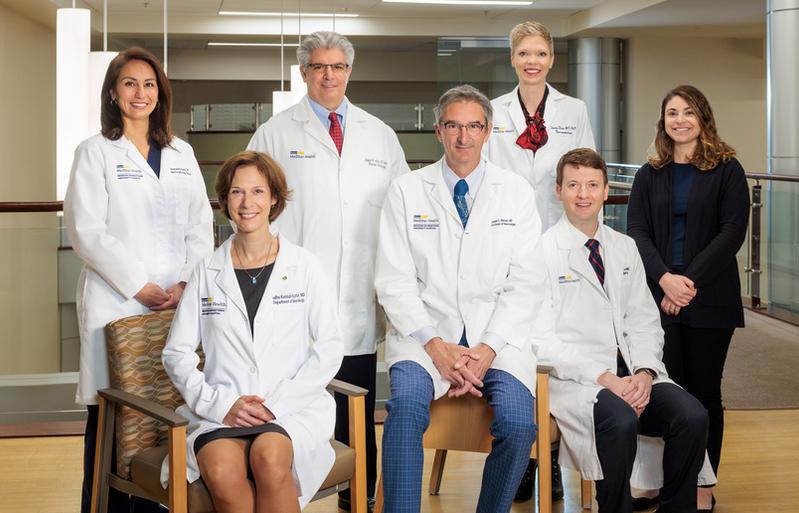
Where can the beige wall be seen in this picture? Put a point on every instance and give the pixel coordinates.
(730, 72)
(28, 267)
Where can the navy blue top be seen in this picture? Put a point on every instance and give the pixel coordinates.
(682, 178)
(154, 158)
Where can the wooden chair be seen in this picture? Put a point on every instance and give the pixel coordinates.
(463, 424)
(139, 412)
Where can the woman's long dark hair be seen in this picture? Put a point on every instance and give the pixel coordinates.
(111, 117)
(710, 150)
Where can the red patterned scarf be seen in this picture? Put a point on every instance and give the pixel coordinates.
(535, 135)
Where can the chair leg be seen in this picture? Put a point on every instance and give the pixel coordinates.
(438, 471)
(102, 456)
(585, 494)
(357, 422)
(178, 487)
(379, 495)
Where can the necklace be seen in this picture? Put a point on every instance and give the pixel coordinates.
(254, 279)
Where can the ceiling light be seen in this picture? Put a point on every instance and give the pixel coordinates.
(289, 14)
(477, 3)
(229, 43)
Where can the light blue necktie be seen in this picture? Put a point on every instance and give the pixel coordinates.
(461, 188)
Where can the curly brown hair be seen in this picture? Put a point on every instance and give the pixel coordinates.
(710, 151)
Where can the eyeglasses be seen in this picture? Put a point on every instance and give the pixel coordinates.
(337, 68)
(473, 128)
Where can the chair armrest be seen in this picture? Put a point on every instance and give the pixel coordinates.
(544, 369)
(146, 406)
(342, 387)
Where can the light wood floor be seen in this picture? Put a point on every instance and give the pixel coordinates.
(759, 472)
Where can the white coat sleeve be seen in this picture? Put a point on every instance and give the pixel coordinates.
(395, 271)
(85, 214)
(200, 231)
(585, 135)
(568, 363)
(642, 329)
(512, 318)
(399, 165)
(180, 358)
(324, 357)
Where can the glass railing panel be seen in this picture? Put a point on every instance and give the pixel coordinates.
(781, 249)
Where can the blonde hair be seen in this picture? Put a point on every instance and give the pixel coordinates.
(710, 150)
(530, 28)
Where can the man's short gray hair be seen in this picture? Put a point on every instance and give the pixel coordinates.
(324, 40)
(463, 93)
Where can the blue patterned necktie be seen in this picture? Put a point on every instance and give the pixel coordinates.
(596, 260)
(461, 188)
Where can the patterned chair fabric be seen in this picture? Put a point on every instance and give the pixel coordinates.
(134, 347)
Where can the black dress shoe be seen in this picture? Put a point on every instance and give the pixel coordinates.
(557, 480)
(525, 491)
(645, 503)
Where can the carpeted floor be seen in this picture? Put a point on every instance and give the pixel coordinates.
(762, 370)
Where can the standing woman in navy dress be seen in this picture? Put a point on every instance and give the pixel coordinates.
(137, 213)
(688, 213)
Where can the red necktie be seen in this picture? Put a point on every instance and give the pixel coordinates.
(335, 131)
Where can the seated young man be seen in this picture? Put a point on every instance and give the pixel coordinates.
(606, 318)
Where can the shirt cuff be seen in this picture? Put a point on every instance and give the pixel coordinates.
(494, 341)
(424, 335)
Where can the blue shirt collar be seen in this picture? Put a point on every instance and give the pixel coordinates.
(322, 113)
(473, 179)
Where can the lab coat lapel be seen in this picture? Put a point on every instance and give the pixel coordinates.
(437, 189)
(577, 259)
(312, 126)
(283, 275)
(133, 155)
(481, 207)
(222, 264)
(519, 123)
(612, 261)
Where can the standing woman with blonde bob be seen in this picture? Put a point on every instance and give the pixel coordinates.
(137, 213)
(688, 213)
(535, 124)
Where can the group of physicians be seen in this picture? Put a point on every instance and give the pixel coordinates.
(473, 270)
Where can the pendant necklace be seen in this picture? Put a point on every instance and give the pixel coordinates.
(254, 279)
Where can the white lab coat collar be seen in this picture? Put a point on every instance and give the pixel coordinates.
(133, 154)
(572, 240)
(473, 179)
(433, 176)
(515, 107)
(222, 264)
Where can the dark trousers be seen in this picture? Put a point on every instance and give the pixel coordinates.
(118, 502)
(673, 415)
(361, 371)
(694, 359)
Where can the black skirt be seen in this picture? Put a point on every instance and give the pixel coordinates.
(250, 433)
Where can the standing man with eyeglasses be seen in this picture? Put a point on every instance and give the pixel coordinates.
(457, 277)
(339, 161)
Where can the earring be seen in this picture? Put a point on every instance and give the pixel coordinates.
(113, 101)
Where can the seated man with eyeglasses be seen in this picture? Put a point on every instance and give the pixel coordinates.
(455, 274)
(339, 161)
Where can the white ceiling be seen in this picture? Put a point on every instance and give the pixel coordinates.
(198, 21)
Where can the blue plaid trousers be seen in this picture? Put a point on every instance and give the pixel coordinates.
(408, 416)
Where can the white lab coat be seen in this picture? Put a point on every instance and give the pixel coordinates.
(589, 321)
(293, 354)
(130, 228)
(336, 204)
(433, 272)
(568, 127)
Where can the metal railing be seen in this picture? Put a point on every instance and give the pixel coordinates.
(755, 232)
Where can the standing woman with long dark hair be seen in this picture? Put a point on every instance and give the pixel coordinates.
(688, 213)
(137, 213)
